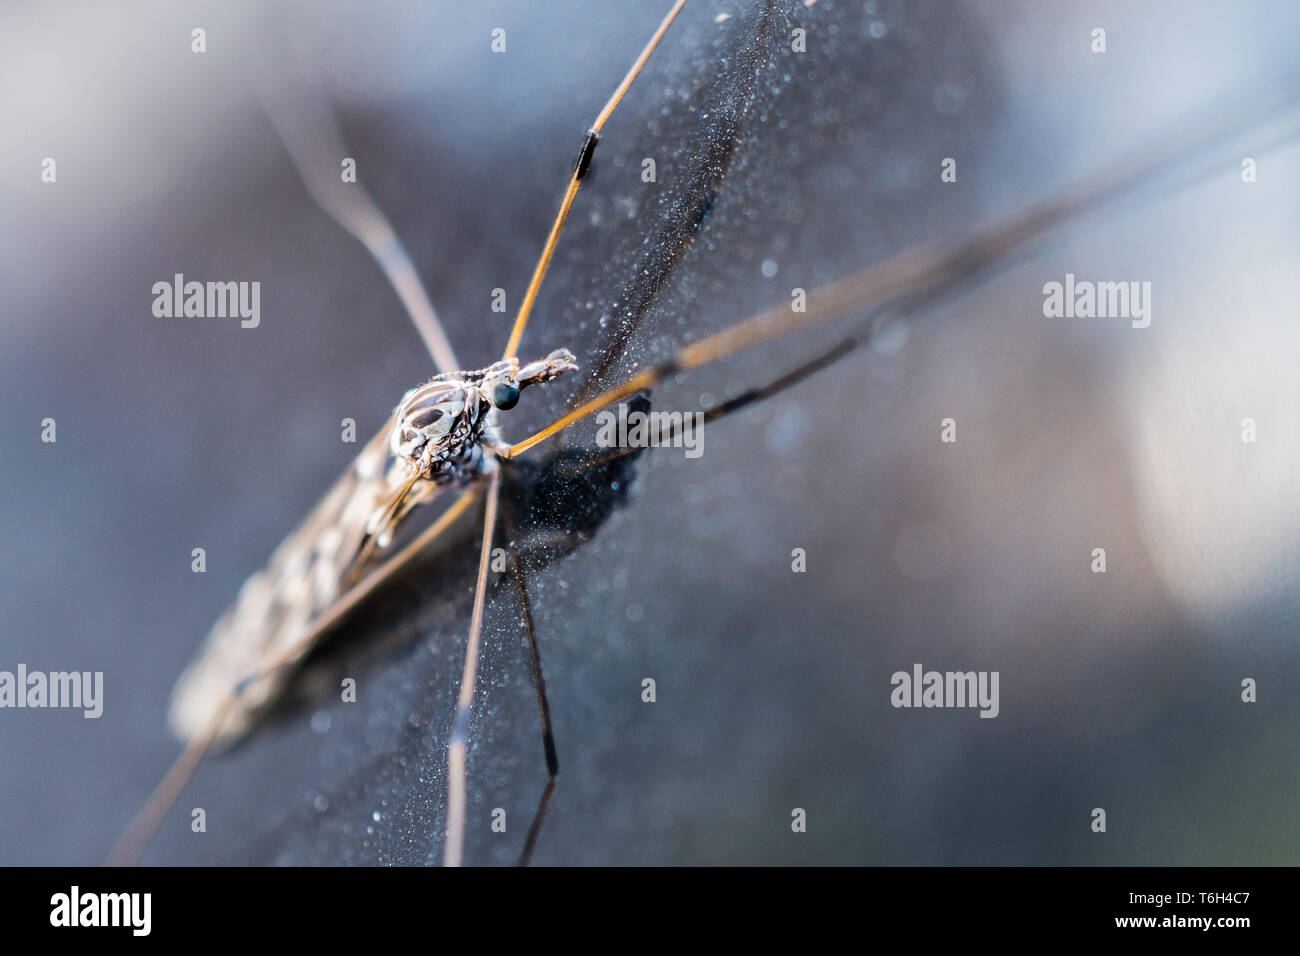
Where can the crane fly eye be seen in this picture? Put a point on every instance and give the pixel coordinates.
(505, 396)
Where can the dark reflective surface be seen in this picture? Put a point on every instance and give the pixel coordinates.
(775, 171)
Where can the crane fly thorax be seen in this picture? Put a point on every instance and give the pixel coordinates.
(440, 427)
(443, 425)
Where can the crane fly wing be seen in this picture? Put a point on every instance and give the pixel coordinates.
(277, 606)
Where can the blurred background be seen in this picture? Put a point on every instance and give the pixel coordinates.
(776, 170)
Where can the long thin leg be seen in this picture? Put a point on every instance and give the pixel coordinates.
(393, 514)
(131, 846)
(575, 181)
(311, 141)
(925, 272)
(454, 847)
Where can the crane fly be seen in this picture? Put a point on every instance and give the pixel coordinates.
(447, 436)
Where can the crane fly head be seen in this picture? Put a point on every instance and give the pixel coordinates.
(503, 381)
(440, 423)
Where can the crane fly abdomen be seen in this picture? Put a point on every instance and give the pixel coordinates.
(277, 605)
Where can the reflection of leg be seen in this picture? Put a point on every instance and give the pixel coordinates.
(536, 828)
(313, 143)
(543, 706)
(793, 377)
(455, 844)
(748, 397)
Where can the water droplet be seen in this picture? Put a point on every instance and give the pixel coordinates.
(784, 430)
(878, 29)
(769, 268)
(320, 722)
(376, 816)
